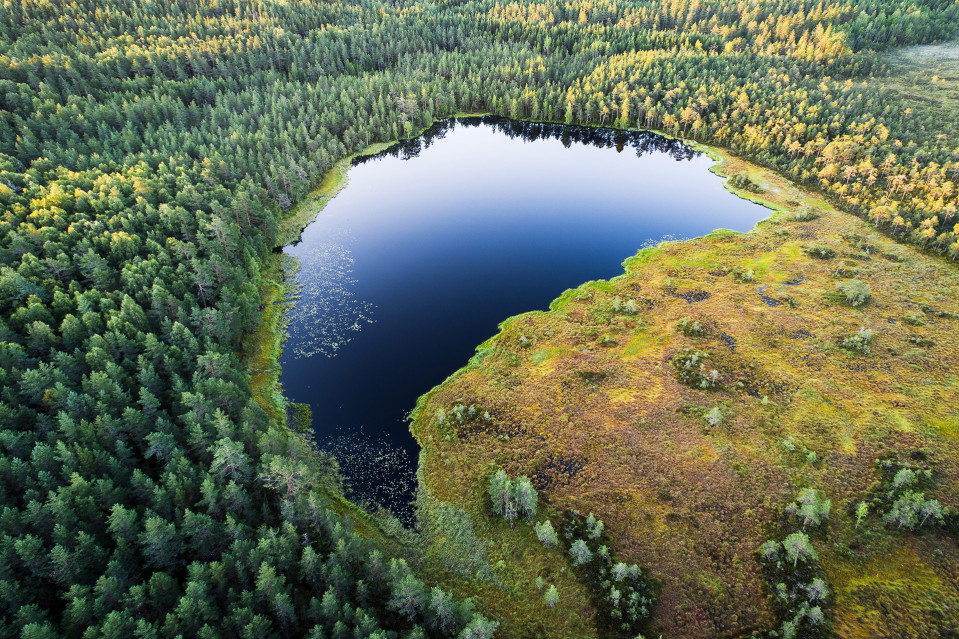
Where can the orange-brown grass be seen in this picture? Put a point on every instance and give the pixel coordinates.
(592, 410)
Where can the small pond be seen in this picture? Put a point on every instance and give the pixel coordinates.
(440, 238)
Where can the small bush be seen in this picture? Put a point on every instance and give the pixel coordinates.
(744, 276)
(551, 597)
(546, 534)
(858, 343)
(741, 181)
(857, 292)
(914, 319)
(714, 417)
(580, 552)
(799, 450)
(842, 273)
(805, 213)
(691, 368)
(690, 328)
(630, 307)
(594, 526)
(819, 251)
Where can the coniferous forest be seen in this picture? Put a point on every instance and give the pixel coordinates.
(149, 153)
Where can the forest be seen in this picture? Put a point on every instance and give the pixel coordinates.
(149, 153)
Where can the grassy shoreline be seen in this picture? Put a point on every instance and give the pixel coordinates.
(261, 350)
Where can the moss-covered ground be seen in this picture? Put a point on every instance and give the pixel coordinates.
(586, 400)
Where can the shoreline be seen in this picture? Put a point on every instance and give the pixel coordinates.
(268, 340)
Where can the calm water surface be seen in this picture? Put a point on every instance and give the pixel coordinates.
(435, 242)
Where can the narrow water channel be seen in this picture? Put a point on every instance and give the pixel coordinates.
(437, 240)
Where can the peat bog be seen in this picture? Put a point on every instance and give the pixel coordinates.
(438, 239)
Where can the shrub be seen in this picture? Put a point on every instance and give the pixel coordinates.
(843, 272)
(691, 368)
(546, 534)
(819, 251)
(859, 342)
(805, 213)
(607, 341)
(744, 276)
(690, 328)
(799, 450)
(552, 596)
(914, 319)
(856, 291)
(594, 526)
(580, 552)
(862, 509)
(741, 181)
(629, 307)
(714, 417)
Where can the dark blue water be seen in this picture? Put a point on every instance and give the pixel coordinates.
(435, 242)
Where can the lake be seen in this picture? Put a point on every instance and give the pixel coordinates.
(440, 238)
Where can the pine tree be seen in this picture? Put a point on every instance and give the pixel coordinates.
(501, 493)
(580, 552)
(525, 497)
(798, 546)
(546, 534)
(552, 596)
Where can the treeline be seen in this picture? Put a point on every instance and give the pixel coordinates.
(147, 152)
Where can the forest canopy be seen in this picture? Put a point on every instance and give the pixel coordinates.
(148, 152)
